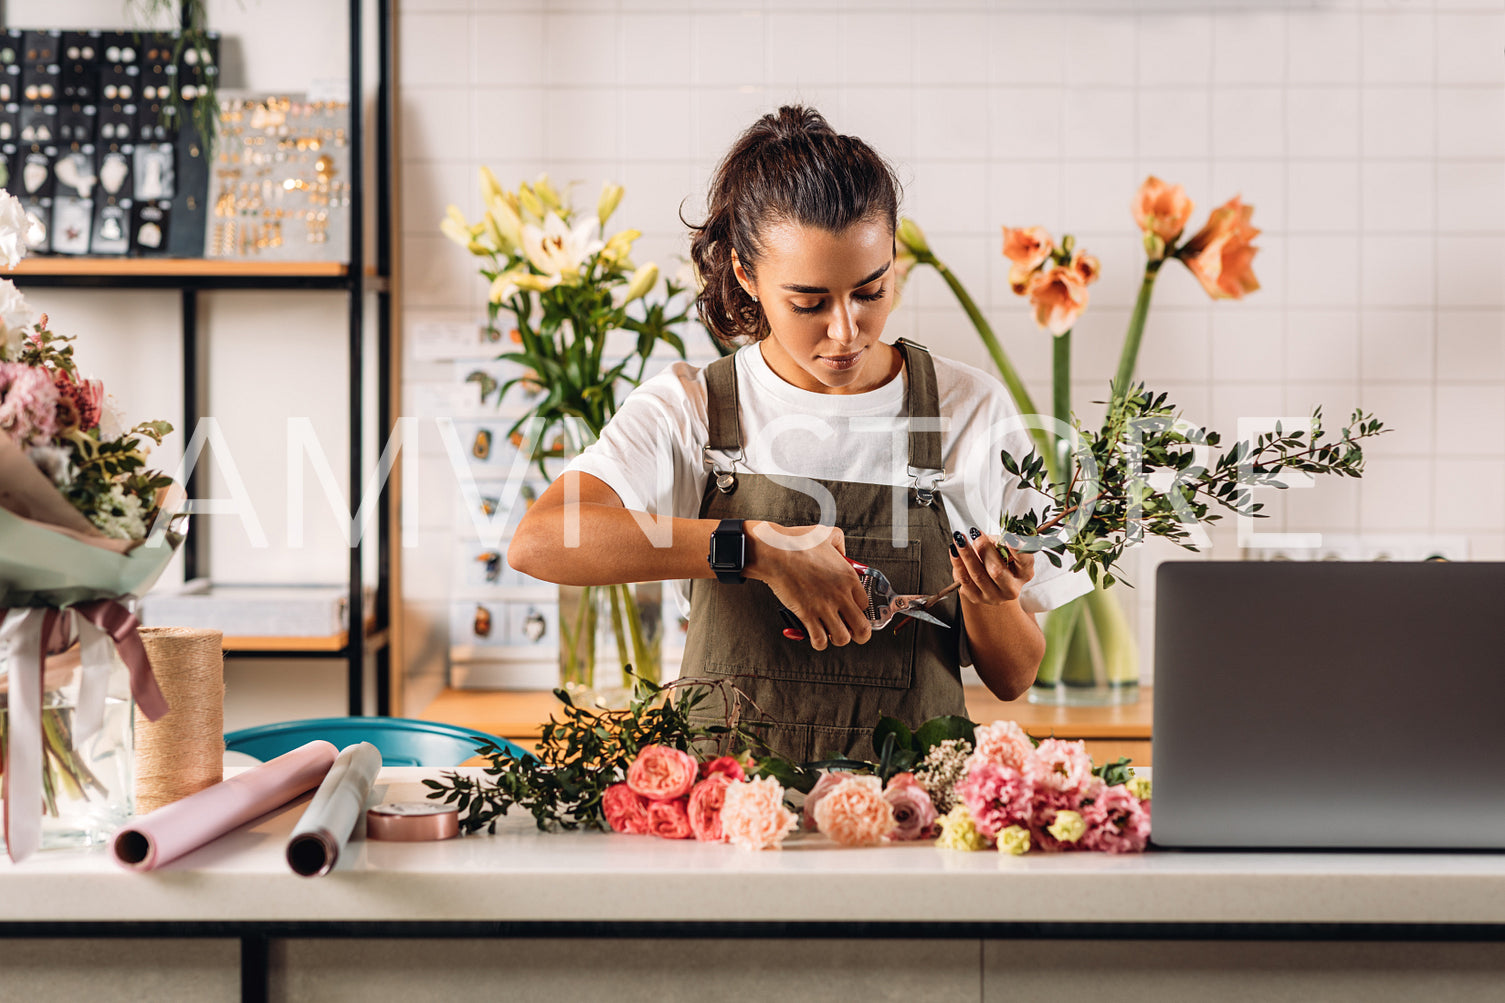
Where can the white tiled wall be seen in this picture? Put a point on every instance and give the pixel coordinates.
(1370, 137)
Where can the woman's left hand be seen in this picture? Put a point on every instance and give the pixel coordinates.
(988, 576)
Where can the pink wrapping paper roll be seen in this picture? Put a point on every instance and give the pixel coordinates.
(173, 830)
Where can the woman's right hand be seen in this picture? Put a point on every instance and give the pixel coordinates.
(807, 569)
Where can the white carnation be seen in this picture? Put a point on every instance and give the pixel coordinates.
(112, 419)
(14, 312)
(14, 227)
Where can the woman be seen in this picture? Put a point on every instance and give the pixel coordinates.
(756, 477)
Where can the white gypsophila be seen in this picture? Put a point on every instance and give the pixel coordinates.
(120, 516)
(53, 461)
(14, 227)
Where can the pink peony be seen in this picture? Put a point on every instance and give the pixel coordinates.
(996, 797)
(855, 812)
(1058, 765)
(914, 813)
(753, 815)
(670, 819)
(626, 811)
(725, 765)
(661, 773)
(1043, 808)
(705, 807)
(822, 787)
(28, 404)
(1002, 743)
(1117, 822)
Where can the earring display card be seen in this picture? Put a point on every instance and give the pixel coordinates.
(149, 227)
(39, 224)
(31, 172)
(155, 171)
(72, 219)
(112, 228)
(281, 180)
(75, 174)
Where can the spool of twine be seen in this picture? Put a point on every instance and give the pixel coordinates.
(183, 752)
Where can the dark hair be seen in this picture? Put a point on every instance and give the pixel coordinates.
(790, 166)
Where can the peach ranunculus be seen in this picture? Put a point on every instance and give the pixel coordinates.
(705, 806)
(662, 774)
(1221, 254)
(1162, 209)
(753, 815)
(1058, 296)
(670, 819)
(1028, 248)
(855, 812)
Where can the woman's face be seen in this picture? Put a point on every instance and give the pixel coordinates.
(826, 297)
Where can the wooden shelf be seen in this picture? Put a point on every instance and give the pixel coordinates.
(334, 642)
(63, 265)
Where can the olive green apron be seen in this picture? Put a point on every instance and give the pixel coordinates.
(824, 703)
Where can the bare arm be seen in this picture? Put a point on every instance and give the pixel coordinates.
(579, 533)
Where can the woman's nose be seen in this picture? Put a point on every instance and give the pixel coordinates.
(842, 327)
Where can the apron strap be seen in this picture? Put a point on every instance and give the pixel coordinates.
(922, 400)
(723, 420)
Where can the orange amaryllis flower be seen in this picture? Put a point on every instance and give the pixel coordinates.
(1087, 267)
(1162, 209)
(1221, 255)
(1028, 248)
(1058, 296)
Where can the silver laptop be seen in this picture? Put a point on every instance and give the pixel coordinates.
(1329, 705)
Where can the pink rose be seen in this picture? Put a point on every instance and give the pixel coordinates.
(821, 789)
(705, 807)
(1002, 743)
(1117, 822)
(1058, 765)
(914, 813)
(753, 815)
(626, 811)
(725, 765)
(996, 797)
(855, 813)
(661, 773)
(669, 819)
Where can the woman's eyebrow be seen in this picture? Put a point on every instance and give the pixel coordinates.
(822, 289)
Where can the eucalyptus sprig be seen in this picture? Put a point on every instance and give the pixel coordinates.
(1139, 476)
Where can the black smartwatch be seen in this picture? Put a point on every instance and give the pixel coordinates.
(728, 553)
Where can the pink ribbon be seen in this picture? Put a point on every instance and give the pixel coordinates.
(120, 623)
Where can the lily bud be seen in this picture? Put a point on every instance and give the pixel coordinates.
(912, 237)
(455, 227)
(536, 283)
(490, 187)
(498, 236)
(530, 204)
(619, 246)
(611, 197)
(503, 212)
(643, 280)
(546, 191)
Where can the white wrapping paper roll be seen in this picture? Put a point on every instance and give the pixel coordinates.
(173, 830)
(330, 818)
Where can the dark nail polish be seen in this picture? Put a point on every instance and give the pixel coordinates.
(953, 551)
(960, 540)
(975, 532)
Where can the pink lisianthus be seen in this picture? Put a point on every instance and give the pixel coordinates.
(822, 787)
(28, 404)
(1058, 765)
(1043, 808)
(724, 765)
(753, 815)
(705, 807)
(1117, 822)
(1002, 743)
(914, 813)
(661, 773)
(670, 819)
(626, 811)
(996, 797)
(855, 812)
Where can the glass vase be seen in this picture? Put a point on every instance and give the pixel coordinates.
(88, 786)
(610, 633)
(1091, 658)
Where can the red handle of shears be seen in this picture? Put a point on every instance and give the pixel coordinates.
(794, 629)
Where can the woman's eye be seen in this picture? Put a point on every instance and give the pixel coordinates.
(798, 308)
(870, 297)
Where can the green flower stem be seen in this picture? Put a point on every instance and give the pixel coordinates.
(1061, 391)
(614, 596)
(990, 341)
(642, 661)
(1129, 357)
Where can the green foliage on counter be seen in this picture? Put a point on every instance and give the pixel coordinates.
(1140, 475)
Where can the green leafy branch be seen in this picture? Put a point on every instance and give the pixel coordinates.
(1139, 476)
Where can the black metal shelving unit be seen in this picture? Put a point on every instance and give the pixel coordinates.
(356, 280)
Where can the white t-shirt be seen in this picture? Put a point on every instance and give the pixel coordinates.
(650, 453)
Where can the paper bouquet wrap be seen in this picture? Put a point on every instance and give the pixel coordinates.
(62, 581)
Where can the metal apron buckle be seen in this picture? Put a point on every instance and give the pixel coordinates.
(926, 484)
(726, 480)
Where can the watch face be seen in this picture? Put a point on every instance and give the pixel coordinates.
(727, 550)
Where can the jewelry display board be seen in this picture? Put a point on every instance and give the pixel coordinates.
(92, 143)
(280, 181)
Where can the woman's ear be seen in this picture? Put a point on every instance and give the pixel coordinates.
(742, 277)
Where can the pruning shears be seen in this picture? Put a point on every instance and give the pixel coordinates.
(883, 603)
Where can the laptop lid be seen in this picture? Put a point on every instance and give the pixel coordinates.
(1329, 704)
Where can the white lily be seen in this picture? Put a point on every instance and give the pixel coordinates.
(556, 250)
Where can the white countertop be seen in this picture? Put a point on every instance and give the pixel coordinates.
(521, 874)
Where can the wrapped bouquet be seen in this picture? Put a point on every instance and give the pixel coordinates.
(84, 526)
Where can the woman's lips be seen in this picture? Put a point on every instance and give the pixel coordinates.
(840, 363)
